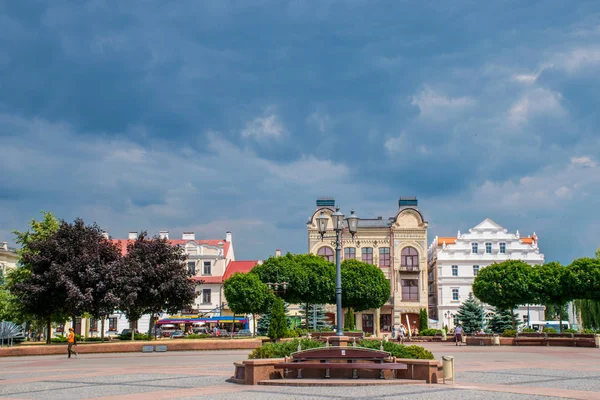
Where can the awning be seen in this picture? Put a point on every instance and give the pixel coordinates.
(214, 320)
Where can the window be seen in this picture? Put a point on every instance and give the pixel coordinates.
(349, 253)
(410, 289)
(206, 296)
(93, 325)
(455, 270)
(474, 248)
(455, 294)
(488, 248)
(192, 268)
(385, 322)
(112, 324)
(526, 319)
(384, 257)
(326, 253)
(475, 270)
(410, 258)
(367, 255)
(502, 248)
(207, 269)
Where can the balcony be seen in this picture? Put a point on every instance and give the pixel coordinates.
(409, 268)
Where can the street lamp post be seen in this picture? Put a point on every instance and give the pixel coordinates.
(338, 226)
(449, 315)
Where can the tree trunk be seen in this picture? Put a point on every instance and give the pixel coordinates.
(150, 326)
(131, 325)
(514, 321)
(306, 317)
(48, 330)
(560, 310)
(102, 329)
(254, 323)
(232, 326)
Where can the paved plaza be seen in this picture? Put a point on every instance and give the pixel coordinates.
(482, 373)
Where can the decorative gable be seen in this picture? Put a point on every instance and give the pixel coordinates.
(488, 225)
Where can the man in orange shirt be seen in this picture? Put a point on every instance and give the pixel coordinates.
(71, 342)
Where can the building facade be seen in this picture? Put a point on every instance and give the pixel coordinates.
(398, 246)
(454, 262)
(8, 259)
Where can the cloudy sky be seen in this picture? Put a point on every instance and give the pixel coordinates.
(210, 116)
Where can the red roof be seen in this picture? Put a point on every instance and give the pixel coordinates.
(448, 240)
(208, 279)
(239, 266)
(122, 244)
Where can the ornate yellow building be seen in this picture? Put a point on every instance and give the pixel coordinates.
(397, 245)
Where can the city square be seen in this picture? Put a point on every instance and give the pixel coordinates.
(482, 372)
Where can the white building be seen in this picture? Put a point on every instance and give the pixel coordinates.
(455, 261)
(8, 258)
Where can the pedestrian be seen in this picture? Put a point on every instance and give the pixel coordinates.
(71, 342)
(394, 332)
(458, 335)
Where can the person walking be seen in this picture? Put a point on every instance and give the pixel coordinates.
(458, 334)
(71, 341)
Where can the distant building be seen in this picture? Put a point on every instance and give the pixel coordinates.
(398, 246)
(209, 263)
(454, 262)
(8, 258)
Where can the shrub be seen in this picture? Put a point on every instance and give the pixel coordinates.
(429, 332)
(138, 336)
(283, 349)
(549, 330)
(529, 330)
(588, 331)
(93, 339)
(398, 350)
(509, 333)
(278, 328)
(197, 336)
(569, 330)
(59, 339)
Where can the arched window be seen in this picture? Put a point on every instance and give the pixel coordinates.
(326, 253)
(410, 258)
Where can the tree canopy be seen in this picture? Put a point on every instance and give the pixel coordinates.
(505, 285)
(364, 286)
(246, 294)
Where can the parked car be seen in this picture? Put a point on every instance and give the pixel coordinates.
(201, 331)
(128, 332)
(178, 334)
(243, 333)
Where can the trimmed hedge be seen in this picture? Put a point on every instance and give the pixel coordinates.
(197, 336)
(509, 333)
(429, 332)
(283, 349)
(399, 350)
(138, 336)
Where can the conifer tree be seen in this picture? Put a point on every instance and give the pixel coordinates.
(349, 323)
(278, 328)
(423, 320)
(322, 322)
(264, 320)
(502, 320)
(470, 314)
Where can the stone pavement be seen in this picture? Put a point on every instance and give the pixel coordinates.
(505, 372)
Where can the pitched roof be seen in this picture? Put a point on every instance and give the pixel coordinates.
(527, 240)
(239, 266)
(122, 244)
(448, 240)
(208, 279)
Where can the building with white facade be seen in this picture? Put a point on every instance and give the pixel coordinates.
(454, 262)
(8, 258)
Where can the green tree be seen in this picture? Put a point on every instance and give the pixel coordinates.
(584, 278)
(550, 283)
(246, 294)
(349, 323)
(470, 314)
(423, 320)
(23, 306)
(364, 286)
(503, 320)
(156, 279)
(589, 311)
(505, 285)
(278, 326)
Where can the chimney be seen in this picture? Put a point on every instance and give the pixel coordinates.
(188, 236)
(277, 253)
(132, 236)
(164, 234)
(408, 202)
(228, 237)
(105, 234)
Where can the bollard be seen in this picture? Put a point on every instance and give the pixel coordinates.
(448, 365)
(597, 340)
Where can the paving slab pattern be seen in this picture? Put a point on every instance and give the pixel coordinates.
(481, 373)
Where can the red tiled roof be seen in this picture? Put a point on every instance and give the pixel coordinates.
(527, 240)
(208, 279)
(239, 266)
(448, 240)
(122, 244)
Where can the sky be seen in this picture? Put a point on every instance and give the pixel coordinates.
(215, 116)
